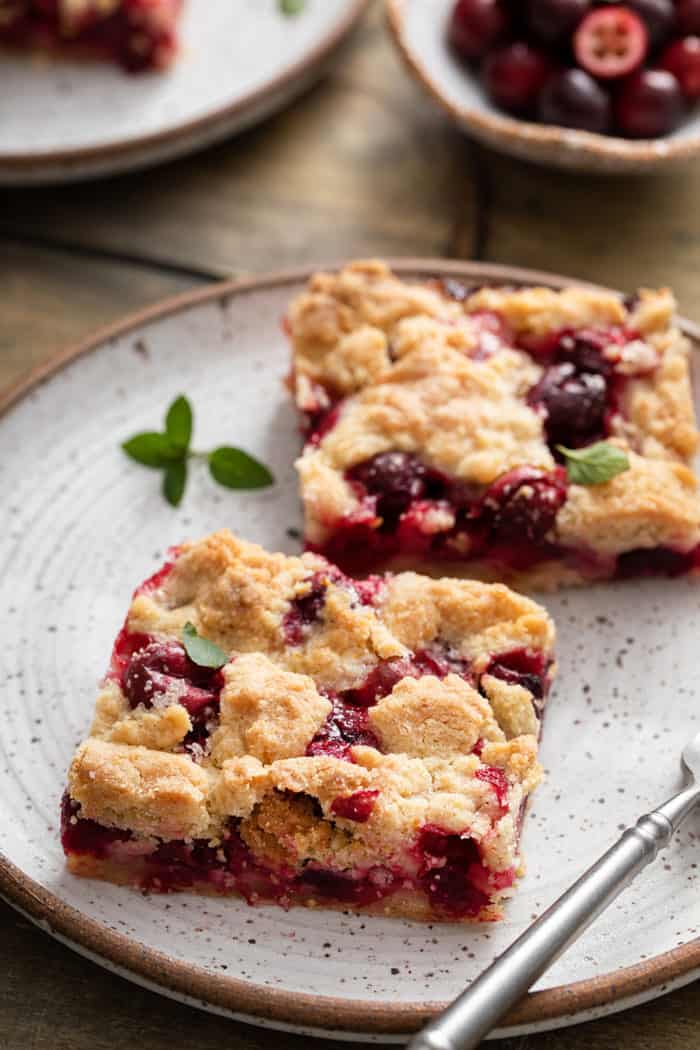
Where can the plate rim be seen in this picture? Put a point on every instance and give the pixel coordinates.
(122, 150)
(235, 995)
(508, 133)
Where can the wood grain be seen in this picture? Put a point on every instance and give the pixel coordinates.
(362, 164)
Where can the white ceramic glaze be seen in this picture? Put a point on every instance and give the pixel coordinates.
(81, 525)
(419, 28)
(240, 61)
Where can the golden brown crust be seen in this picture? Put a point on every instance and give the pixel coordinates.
(132, 773)
(467, 416)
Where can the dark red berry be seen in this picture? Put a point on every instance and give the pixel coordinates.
(514, 76)
(357, 807)
(650, 104)
(574, 100)
(476, 26)
(159, 667)
(658, 16)
(584, 348)
(688, 16)
(611, 42)
(522, 504)
(574, 404)
(396, 478)
(554, 20)
(682, 58)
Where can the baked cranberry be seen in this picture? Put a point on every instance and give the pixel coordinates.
(449, 863)
(476, 25)
(521, 667)
(658, 16)
(337, 886)
(155, 669)
(357, 807)
(496, 778)
(573, 99)
(514, 75)
(381, 680)
(611, 42)
(688, 16)
(522, 504)
(574, 402)
(585, 348)
(79, 835)
(305, 610)
(554, 20)
(493, 332)
(655, 561)
(396, 478)
(650, 104)
(346, 726)
(682, 58)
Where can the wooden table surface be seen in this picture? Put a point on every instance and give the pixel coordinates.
(363, 164)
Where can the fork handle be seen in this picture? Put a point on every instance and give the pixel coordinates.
(477, 1010)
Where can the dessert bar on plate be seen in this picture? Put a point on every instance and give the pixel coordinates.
(435, 416)
(272, 728)
(137, 34)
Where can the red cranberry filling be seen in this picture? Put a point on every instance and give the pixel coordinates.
(305, 610)
(496, 778)
(346, 727)
(82, 836)
(452, 873)
(357, 807)
(574, 405)
(656, 561)
(131, 35)
(155, 669)
(397, 479)
(525, 668)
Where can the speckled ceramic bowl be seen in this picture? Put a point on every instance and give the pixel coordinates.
(419, 29)
(81, 525)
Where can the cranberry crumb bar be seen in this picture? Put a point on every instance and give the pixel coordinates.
(137, 34)
(435, 415)
(358, 745)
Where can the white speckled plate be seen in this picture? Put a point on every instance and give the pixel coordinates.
(81, 525)
(419, 29)
(241, 60)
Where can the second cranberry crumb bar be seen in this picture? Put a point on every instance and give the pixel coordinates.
(433, 415)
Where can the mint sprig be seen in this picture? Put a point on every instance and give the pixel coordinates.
(170, 450)
(595, 464)
(291, 7)
(200, 650)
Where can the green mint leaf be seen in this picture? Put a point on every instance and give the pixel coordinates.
(150, 449)
(237, 470)
(595, 464)
(174, 481)
(201, 651)
(178, 423)
(291, 7)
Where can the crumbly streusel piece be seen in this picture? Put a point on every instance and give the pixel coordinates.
(434, 414)
(365, 744)
(137, 35)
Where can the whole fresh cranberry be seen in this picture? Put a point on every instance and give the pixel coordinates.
(476, 26)
(650, 104)
(573, 99)
(658, 16)
(396, 478)
(682, 58)
(574, 403)
(522, 504)
(688, 16)
(554, 20)
(611, 42)
(514, 75)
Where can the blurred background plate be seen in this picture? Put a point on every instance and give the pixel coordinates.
(82, 525)
(241, 60)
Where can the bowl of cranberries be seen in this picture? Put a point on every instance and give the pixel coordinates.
(593, 85)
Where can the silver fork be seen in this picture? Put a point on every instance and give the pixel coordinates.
(470, 1017)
